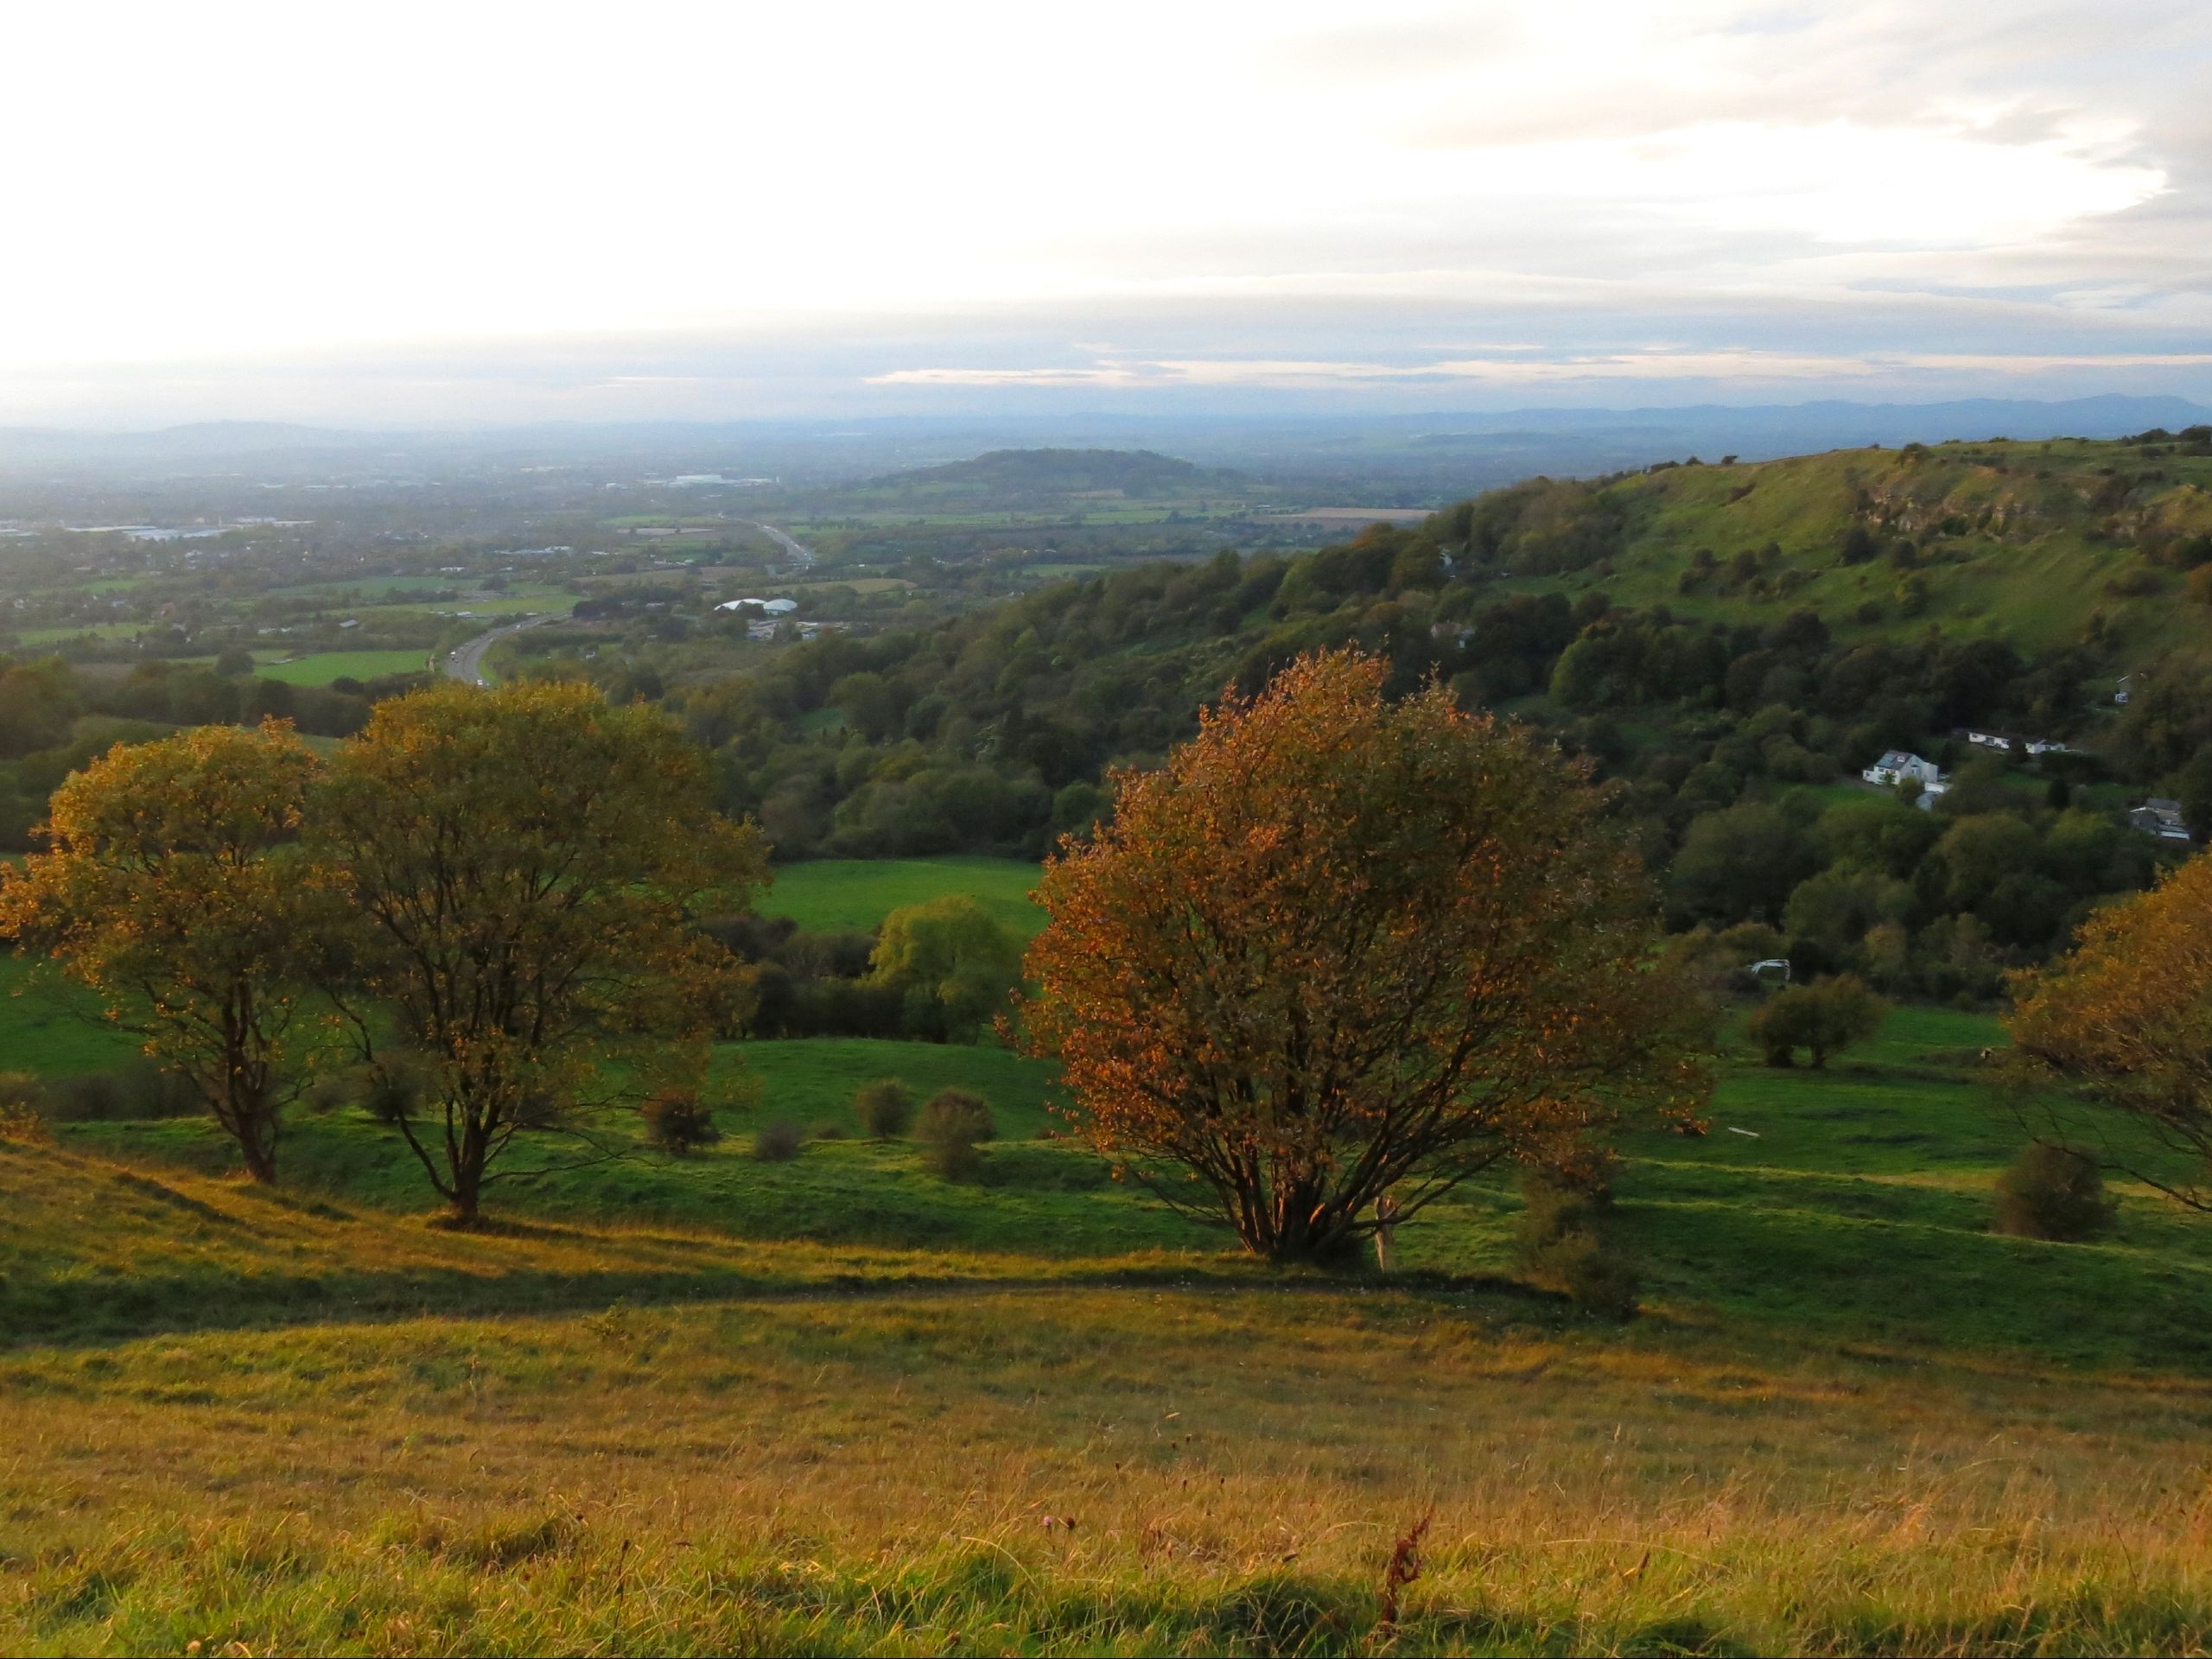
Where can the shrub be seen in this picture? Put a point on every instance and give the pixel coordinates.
(327, 1094)
(952, 1123)
(958, 1114)
(884, 1108)
(679, 1123)
(779, 1142)
(394, 1091)
(1821, 1019)
(137, 1088)
(953, 1161)
(2053, 1192)
(828, 1129)
(1565, 1240)
(21, 1119)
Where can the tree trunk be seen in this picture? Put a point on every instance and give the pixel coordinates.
(468, 1170)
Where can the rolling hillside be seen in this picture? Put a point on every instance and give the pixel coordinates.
(2030, 541)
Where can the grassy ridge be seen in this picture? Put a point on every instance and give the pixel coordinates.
(2015, 539)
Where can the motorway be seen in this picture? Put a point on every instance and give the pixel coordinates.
(467, 663)
(801, 556)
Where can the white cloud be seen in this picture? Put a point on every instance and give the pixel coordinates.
(210, 184)
(1659, 366)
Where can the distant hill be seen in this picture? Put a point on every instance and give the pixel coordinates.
(1133, 474)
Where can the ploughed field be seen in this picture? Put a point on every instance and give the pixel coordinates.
(841, 1404)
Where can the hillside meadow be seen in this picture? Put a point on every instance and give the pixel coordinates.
(829, 895)
(839, 1404)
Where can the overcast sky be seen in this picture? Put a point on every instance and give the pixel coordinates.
(454, 212)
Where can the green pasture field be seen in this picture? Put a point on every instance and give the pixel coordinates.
(1847, 1206)
(321, 667)
(715, 1404)
(829, 895)
(50, 1027)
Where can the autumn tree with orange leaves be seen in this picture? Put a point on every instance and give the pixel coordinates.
(1338, 949)
(173, 890)
(2127, 1015)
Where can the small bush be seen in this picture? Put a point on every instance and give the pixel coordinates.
(326, 1095)
(1566, 1241)
(680, 1124)
(958, 1114)
(22, 1118)
(828, 1129)
(2055, 1193)
(395, 1090)
(884, 1108)
(779, 1142)
(952, 1123)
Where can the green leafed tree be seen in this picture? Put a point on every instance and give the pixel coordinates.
(523, 865)
(174, 889)
(954, 964)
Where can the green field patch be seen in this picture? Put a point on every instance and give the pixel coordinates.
(321, 667)
(51, 1027)
(827, 895)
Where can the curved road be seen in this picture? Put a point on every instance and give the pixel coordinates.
(466, 661)
(801, 556)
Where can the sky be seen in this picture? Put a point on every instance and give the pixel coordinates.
(363, 214)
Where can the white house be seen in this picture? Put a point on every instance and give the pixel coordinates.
(1897, 765)
(2162, 818)
(2008, 742)
(772, 606)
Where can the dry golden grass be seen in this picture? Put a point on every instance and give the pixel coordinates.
(790, 1448)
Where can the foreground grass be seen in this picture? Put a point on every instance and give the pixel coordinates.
(1042, 1467)
(839, 1405)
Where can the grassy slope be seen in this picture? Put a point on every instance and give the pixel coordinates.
(836, 894)
(1854, 1212)
(2034, 573)
(314, 1423)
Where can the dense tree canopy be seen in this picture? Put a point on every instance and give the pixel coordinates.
(1340, 948)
